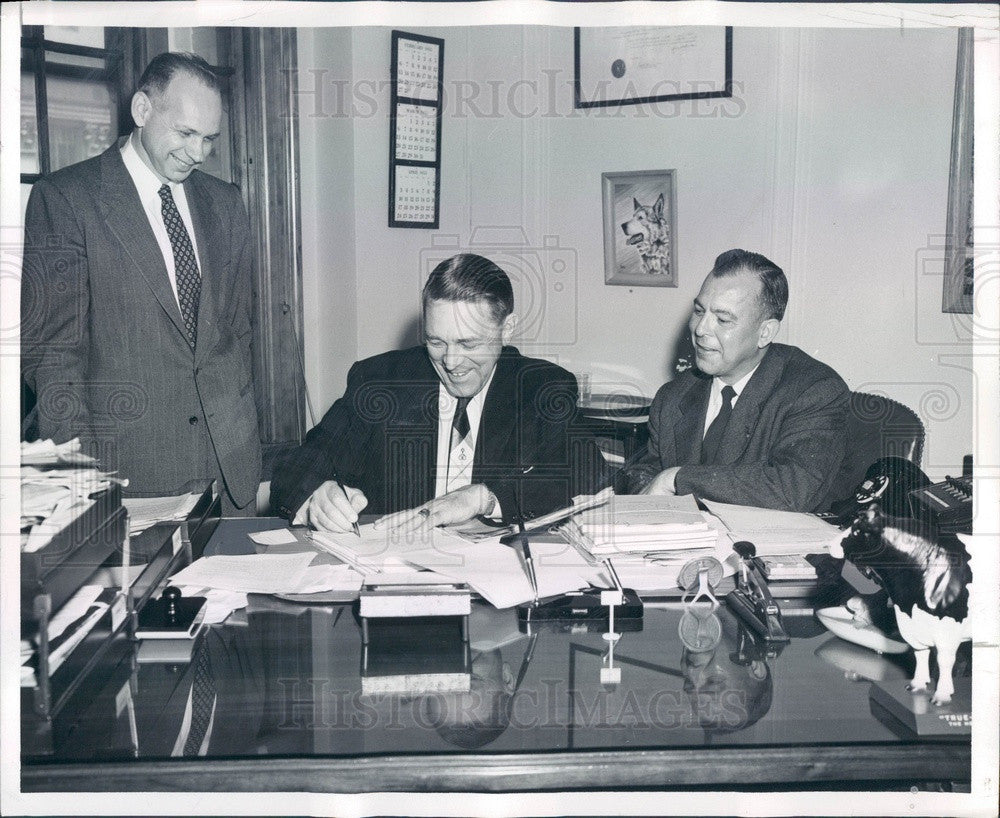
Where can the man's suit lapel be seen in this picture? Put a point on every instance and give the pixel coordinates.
(126, 218)
(207, 229)
(748, 408)
(690, 429)
(500, 411)
(416, 419)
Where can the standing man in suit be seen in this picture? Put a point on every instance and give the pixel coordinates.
(137, 299)
(463, 426)
(755, 422)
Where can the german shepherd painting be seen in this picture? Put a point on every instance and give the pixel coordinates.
(649, 232)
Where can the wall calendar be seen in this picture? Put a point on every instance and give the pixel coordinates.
(415, 130)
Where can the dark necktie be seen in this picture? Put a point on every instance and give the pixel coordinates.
(713, 437)
(460, 423)
(202, 701)
(185, 263)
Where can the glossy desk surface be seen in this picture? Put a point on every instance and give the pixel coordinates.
(291, 712)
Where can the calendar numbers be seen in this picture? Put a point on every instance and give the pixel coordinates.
(417, 70)
(414, 194)
(416, 132)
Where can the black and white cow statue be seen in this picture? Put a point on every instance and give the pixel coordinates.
(928, 578)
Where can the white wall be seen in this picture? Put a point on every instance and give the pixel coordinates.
(832, 159)
(327, 182)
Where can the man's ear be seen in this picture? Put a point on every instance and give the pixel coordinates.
(142, 106)
(509, 325)
(768, 332)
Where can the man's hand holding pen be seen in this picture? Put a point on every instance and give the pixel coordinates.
(333, 507)
(454, 508)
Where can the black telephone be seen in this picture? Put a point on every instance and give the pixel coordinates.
(948, 503)
(903, 490)
(888, 482)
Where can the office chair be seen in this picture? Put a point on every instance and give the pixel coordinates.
(877, 426)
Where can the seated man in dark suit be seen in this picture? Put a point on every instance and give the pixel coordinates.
(754, 422)
(460, 427)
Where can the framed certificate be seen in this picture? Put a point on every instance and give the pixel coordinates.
(635, 65)
(415, 130)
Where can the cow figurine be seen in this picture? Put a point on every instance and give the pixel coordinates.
(928, 579)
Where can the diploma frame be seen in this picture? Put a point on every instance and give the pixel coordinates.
(596, 49)
(428, 100)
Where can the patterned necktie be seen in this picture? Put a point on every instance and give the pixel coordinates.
(202, 701)
(460, 423)
(185, 263)
(713, 437)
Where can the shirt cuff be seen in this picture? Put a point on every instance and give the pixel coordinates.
(302, 515)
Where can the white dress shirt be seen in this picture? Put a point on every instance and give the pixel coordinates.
(715, 396)
(148, 184)
(454, 469)
(450, 471)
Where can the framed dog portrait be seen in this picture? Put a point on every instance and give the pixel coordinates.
(640, 228)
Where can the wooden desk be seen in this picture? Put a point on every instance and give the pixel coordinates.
(290, 714)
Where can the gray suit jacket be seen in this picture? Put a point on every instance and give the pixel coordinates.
(783, 445)
(103, 342)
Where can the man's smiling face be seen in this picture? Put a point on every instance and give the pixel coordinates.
(464, 341)
(728, 327)
(177, 127)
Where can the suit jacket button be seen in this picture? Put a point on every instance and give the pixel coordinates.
(193, 420)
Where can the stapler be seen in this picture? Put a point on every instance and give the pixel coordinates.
(752, 600)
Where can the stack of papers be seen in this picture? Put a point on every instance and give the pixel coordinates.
(56, 484)
(145, 512)
(775, 533)
(645, 525)
(648, 540)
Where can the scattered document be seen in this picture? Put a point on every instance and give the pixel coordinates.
(475, 531)
(57, 482)
(40, 534)
(145, 512)
(276, 536)
(380, 549)
(774, 532)
(497, 572)
(250, 573)
(47, 453)
(219, 604)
